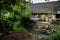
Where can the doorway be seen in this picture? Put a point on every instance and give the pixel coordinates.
(57, 15)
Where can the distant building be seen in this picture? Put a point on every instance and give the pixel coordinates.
(45, 11)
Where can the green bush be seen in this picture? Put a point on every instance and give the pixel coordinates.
(26, 22)
(12, 13)
(55, 36)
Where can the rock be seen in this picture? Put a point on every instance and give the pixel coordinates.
(47, 26)
(48, 32)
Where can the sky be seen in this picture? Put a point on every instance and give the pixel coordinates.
(39, 1)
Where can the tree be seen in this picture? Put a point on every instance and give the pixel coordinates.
(11, 13)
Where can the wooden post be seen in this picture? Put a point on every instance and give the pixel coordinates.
(46, 17)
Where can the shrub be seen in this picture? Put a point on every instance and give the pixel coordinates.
(55, 36)
(10, 14)
(26, 22)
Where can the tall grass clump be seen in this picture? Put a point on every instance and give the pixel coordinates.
(55, 36)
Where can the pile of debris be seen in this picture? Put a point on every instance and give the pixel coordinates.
(47, 30)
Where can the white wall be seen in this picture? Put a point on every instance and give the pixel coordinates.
(54, 16)
(39, 1)
(42, 17)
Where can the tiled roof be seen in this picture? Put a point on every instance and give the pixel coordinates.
(44, 7)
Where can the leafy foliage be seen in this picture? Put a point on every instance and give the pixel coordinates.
(55, 36)
(11, 13)
(26, 22)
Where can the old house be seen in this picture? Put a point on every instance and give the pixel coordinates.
(45, 11)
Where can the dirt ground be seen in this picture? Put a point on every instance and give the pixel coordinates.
(19, 36)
